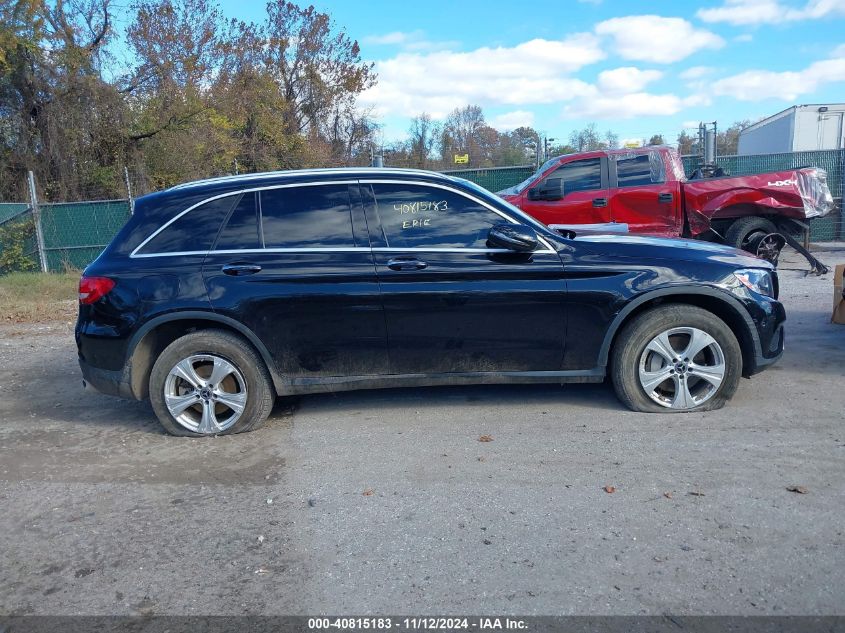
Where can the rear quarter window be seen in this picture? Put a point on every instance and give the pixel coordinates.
(195, 230)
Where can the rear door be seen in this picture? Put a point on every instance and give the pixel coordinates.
(642, 196)
(585, 199)
(452, 304)
(293, 264)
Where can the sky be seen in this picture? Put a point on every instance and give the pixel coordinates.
(637, 67)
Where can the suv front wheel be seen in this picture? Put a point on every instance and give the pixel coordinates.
(676, 358)
(210, 382)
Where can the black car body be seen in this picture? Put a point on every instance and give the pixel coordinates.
(363, 278)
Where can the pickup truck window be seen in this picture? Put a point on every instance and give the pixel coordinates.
(579, 175)
(641, 170)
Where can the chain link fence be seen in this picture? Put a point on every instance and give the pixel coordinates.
(495, 178)
(55, 236)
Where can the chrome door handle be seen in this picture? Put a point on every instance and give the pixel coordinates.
(236, 270)
(405, 263)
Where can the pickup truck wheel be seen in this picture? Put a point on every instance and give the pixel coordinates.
(210, 382)
(747, 233)
(674, 359)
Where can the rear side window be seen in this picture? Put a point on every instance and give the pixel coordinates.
(193, 231)
(637, 171)
(241, 231)
(307, 217)
(579, 175)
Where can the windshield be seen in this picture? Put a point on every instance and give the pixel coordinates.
(546, 166)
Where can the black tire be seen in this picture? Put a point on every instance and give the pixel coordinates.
(257, 389)
(630, 347)
(742, 232)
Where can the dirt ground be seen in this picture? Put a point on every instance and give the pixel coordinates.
(387, 502)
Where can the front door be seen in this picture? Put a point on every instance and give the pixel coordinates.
(453, 305)
(585, 199)
(289, 265)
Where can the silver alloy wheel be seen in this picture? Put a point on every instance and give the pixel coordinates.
(205, 393)
(682, 368)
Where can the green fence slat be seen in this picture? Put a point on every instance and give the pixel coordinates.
(495, 178)
(9, 210)
(76, 232)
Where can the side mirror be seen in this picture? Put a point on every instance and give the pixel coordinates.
(514, 237)
(549, 189)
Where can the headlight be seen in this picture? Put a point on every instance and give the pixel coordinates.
(759, 281)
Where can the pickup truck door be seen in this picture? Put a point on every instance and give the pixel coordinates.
(585, 199)
(642, 196)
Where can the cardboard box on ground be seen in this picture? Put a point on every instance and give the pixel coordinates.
(838, 315)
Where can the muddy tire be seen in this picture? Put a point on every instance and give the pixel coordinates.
(210, 382)
(674, 359)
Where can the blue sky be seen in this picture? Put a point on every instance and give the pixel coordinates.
(634, 67)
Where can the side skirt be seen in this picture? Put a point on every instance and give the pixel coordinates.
(348, 383)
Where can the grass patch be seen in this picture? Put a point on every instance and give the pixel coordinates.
(38, 297)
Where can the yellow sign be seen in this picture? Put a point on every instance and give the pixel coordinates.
(461, 158)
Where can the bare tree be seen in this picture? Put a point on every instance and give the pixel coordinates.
(423, 135)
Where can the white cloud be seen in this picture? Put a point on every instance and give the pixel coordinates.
(407, 40)
(513, 120)
(756, 85)
(654, 38)
(744, 37)
(626, 79)
(437, 82)
(696, 72)
(636, 104)
(396, 37)
(740, 12)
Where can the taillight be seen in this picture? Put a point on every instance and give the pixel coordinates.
(93, 288)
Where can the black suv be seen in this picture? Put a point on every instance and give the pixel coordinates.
(219, 295)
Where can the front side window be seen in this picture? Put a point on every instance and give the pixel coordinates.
(193, 231)
(417, 216)
(315, 216)
(579, 175)
(640, 170)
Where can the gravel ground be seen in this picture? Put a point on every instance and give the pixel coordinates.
(386, 501)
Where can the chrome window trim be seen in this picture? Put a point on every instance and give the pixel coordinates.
(349, 249)
(136, 255)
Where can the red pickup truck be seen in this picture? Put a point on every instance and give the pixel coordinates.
(645, 190)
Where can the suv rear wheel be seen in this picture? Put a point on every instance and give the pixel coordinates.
(676, 358)
(210, 382)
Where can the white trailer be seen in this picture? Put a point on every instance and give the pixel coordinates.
(800, 128)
